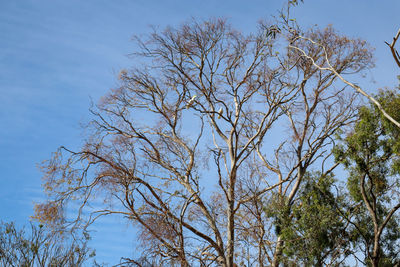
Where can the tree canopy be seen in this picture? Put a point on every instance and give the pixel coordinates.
(222, 149)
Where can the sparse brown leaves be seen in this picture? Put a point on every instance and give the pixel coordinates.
(207, 90)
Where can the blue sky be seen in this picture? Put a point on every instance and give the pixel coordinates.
(57, 55)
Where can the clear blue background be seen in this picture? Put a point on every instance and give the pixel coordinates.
(57, 55)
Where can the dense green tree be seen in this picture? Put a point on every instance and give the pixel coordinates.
(371, 154)
(315, 235)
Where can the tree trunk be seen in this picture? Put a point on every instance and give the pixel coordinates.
(376, 253)
(278, 252)
(231, 234)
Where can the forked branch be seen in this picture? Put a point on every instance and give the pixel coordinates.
(395, 54)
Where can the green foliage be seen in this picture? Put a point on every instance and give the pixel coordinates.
(314, 228)
(294, 2)
(371, 154)
(372, 150)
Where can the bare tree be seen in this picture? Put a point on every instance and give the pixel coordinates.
(194, 142)
(41, 247)
(327, 66)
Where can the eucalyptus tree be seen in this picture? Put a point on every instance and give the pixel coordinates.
(371, 153)
(209, 126)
